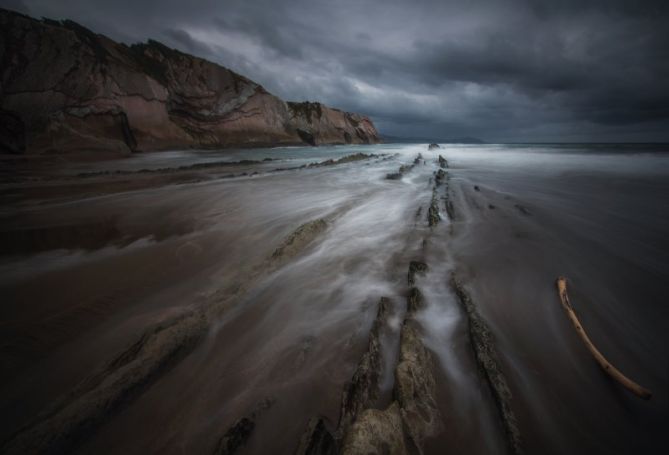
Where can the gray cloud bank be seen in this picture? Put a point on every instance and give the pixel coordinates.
(505, 70)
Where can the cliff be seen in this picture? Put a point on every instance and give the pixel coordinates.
(64, 88)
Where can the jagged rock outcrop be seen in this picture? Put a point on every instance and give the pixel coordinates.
(358, 396)
(415, 386)
(317, 439)
(363, 388)
(65, 88)
(413, 416)
(319, 124)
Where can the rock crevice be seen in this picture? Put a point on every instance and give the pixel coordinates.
(413, 415)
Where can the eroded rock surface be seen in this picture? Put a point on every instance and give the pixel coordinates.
(363, 388)
(413, 416)
(65, 88)
(440, 177)
(60, 428)
(359, 393)
(235, 437)
(298, 238)
(403, 169)
(483, 344)
(377, 432)
(239, 433)
(415, 267)
(63, 426)
(433, 216)
(415, 386)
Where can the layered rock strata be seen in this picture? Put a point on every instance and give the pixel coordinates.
(65, 88)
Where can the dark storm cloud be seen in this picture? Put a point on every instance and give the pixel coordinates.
(15, 5)
(504, 70)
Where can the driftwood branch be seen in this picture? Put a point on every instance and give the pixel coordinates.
(612, 371)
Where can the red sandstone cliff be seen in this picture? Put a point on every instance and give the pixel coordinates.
(64, 88)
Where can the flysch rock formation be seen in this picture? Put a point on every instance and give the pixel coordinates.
(64, 88)
(67, 422)
(412, 416)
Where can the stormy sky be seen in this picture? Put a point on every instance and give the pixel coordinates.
(503, 71)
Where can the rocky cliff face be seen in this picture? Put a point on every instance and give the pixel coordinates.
(64, 88)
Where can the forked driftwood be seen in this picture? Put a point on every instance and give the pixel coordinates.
(612, 371)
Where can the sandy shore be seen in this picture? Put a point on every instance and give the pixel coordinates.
(185, 307)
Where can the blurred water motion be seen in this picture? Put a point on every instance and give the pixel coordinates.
(523, 215)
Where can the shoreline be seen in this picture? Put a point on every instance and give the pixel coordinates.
(289, 269)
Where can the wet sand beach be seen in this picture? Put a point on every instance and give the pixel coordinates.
(177, 301)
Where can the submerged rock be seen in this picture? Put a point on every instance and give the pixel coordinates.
(298, 238)
(433, 146)
(415, 267)
(440, 177)
(404, 169)
(346, 159)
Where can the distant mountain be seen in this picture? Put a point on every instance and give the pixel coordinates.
(420, 140)
(65, 88)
